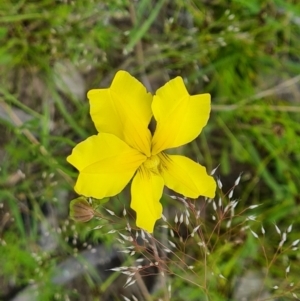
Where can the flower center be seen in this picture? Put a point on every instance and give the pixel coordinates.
(153, 164)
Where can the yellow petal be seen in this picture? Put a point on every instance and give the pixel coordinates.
(187, 177)
(146, 191)
(105, 163)
(124, 110)
(180, 117)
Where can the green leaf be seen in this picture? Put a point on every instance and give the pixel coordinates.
(96, 202)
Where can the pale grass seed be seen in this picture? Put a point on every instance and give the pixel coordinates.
(170, 290)
(220, 185)
(277, 229)
(220, 202)
(254, 234)
(214, 170)
(110, 212)
(181, 218)
(176, 219)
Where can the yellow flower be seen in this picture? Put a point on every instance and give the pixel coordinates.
(126, 149)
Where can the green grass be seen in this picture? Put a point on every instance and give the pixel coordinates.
(245, 53)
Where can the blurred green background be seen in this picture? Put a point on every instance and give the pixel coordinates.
(244, 53)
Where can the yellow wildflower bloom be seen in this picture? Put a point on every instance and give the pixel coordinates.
(126, 149)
